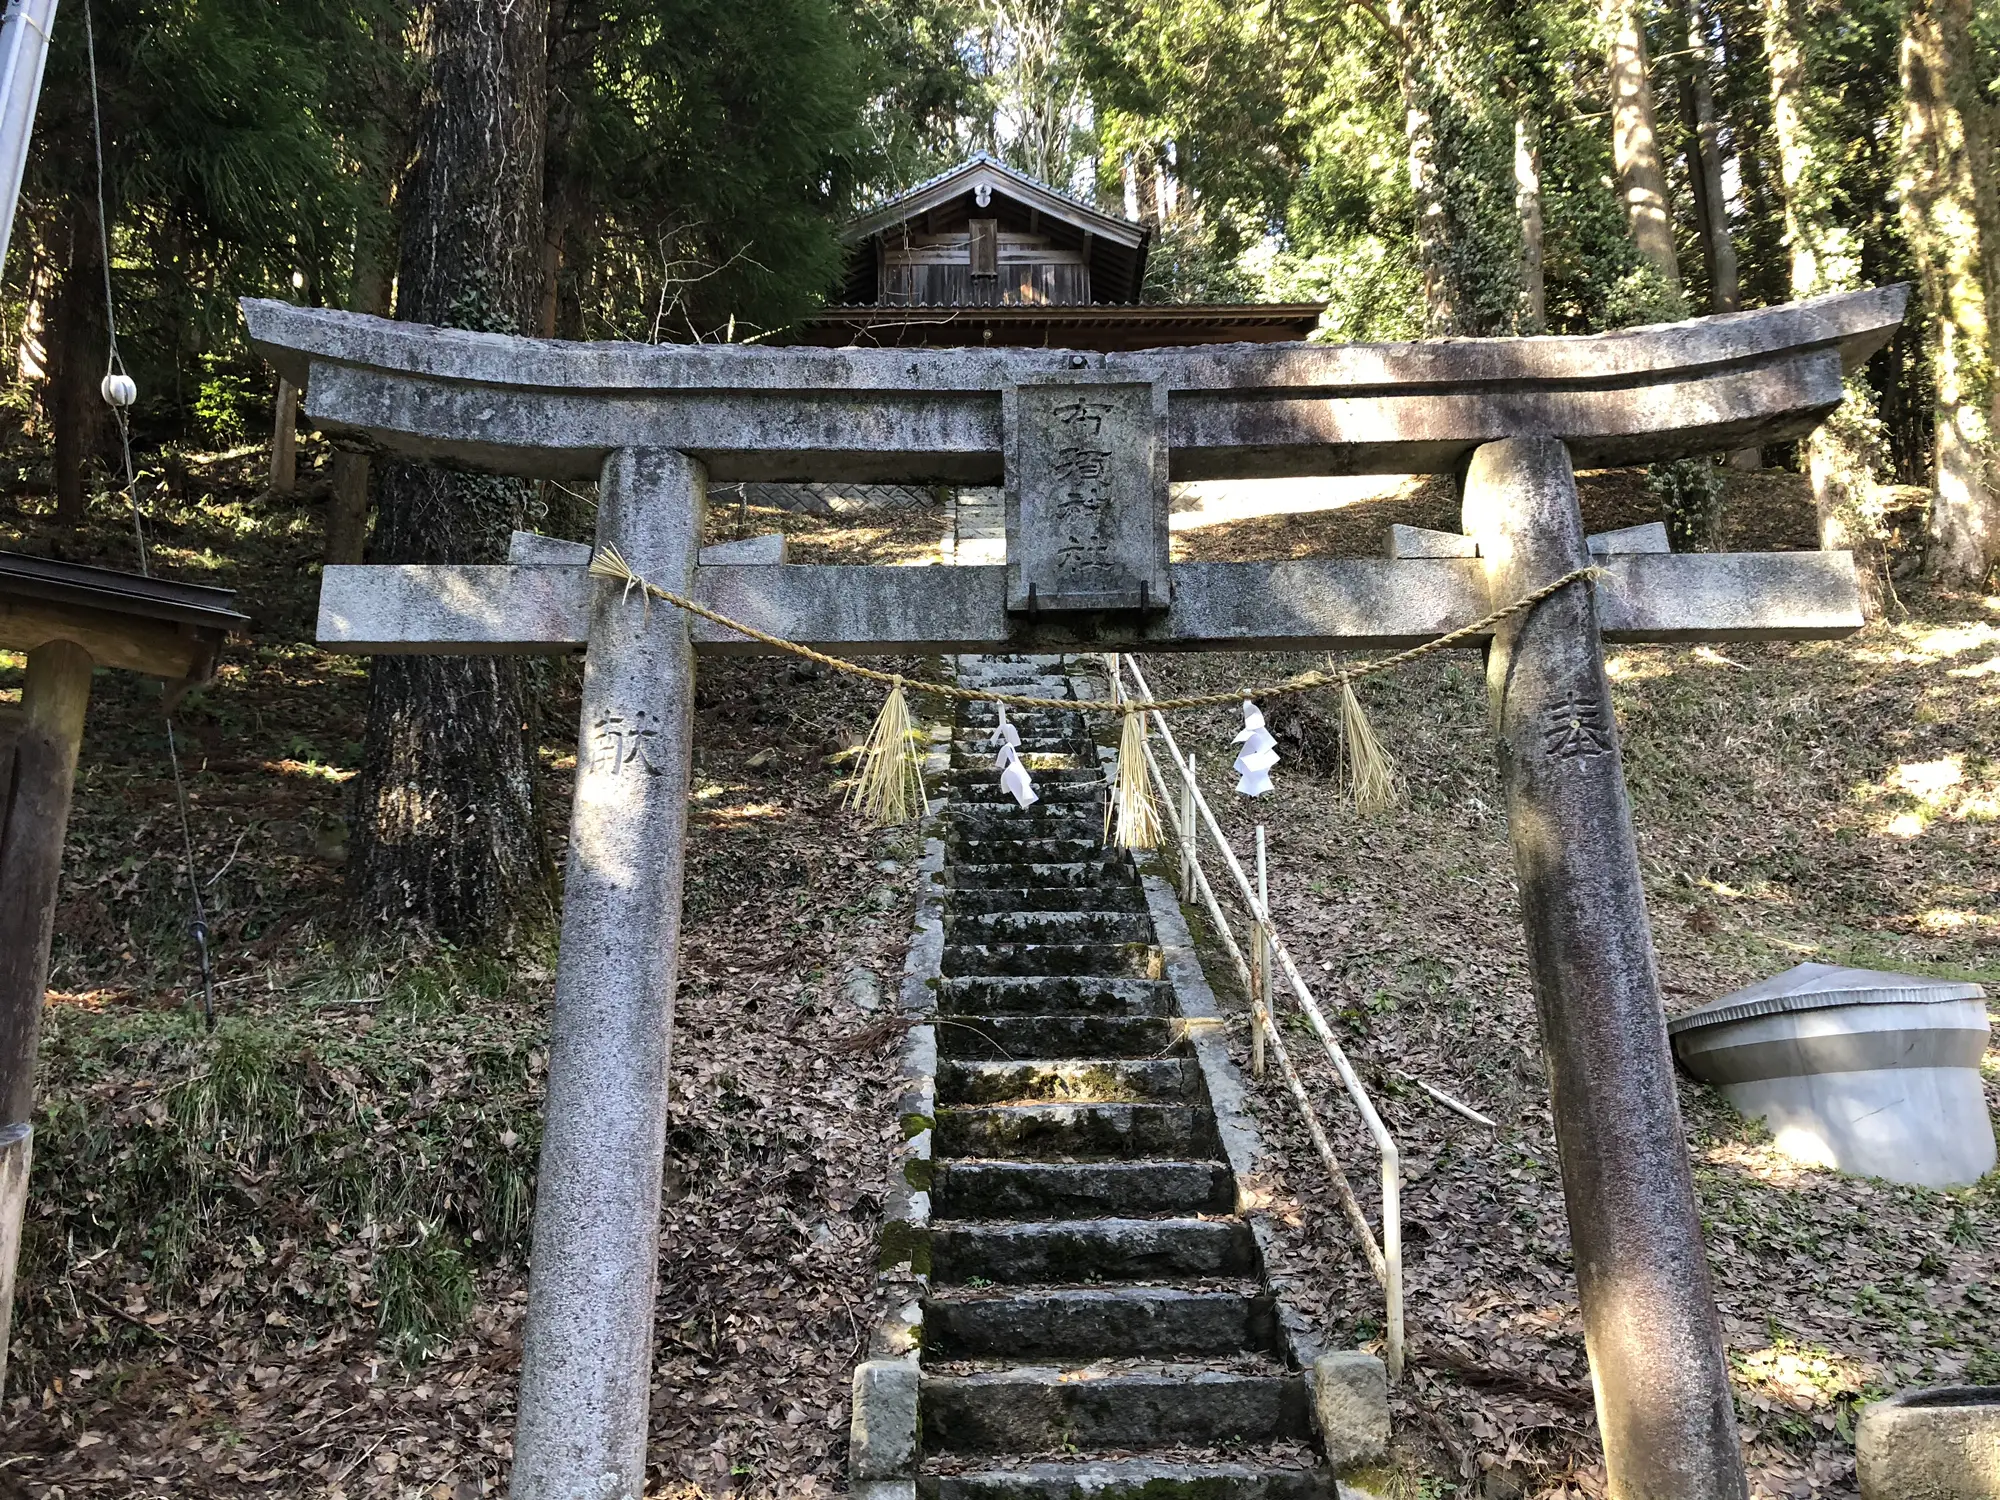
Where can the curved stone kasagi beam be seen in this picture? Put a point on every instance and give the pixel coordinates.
(541, 407)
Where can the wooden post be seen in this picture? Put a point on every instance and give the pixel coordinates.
(285, 439)
(1650, 1325)
(37, 772)
(587, 1355)
(347, 508)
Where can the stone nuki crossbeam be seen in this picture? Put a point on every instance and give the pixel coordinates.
(1085, 445)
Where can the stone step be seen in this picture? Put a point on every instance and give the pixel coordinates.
(1036, 1409)
(1090, 1251)
(1130, 1479)
(1053, 752)
(1100, 867)
(1044, 820)
(1095, 1323)
(1077, 795)
(972, 902)
(1136, 960)
(1048, 1190)
(1053, 994)
(1003, 1037)
(1060, 927)
(1074, 1130)
(985, 780)
(1021, 851)
(1139, 1080)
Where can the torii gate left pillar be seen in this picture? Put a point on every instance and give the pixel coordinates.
(586, 1375)
(1512, 416)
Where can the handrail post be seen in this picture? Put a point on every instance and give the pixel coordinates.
(1190, 835)
(1260, 964)
(1392, 1259)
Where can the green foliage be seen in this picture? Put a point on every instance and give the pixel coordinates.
(716, 146)
(226, 403)
(1690, 490)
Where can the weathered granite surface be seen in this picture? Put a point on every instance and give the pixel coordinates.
(1650, 1325)
(544, 408)
(1301, 605)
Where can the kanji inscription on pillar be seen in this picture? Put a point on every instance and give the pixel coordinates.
(1086, 496)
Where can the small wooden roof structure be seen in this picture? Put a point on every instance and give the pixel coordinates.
(151, 625)
(928, 220)
(985, 255)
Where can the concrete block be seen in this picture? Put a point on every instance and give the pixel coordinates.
(1351, 1405)
(882, 1437)
(1651, 537)
(1941, 1444)
(1869, 1072)
(1421, 541)
(767, 550)
(530, 549)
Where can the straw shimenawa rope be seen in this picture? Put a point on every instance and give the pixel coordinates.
(889, 786)
(608, 564)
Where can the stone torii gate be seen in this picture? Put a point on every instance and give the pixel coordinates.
(1085, 444)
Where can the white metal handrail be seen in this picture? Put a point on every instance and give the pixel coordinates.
(1184, 805)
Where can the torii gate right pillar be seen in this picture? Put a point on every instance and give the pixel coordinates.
(1650, 1326)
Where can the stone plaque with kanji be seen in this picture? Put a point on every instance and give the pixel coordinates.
(1086, 496)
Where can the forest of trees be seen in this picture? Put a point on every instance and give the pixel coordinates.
(678, 170)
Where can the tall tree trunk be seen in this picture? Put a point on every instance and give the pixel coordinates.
(1635, 142)
(1704, 168)
(1534, 314)
(1947, 167)
(78, 346)
(1443, 314)
(1718, 250)
(1840, 457)
(447, 834)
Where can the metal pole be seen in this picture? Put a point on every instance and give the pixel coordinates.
(1649, 1319)
(24, 48)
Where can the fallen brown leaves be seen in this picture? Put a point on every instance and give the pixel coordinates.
(1768, 803)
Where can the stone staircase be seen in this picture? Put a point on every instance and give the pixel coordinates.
(1096, 1320)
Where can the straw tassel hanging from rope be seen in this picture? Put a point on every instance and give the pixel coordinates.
(1369, 767)
(1132, 806)
(888, 785)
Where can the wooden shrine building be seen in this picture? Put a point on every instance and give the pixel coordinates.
(985, 254)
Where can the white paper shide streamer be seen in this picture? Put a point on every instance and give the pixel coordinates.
(1014, 778)
(1260, 753)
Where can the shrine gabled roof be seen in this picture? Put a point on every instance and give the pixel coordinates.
(982, 170)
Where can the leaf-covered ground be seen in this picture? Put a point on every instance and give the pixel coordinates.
(1835, 801)
(287, 1257)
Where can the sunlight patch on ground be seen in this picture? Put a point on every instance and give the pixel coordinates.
(1800, 1376)
(744, 813)
(1924, 645)
(1924, 791)
(1763, 1162)
(1217, 502)
(1633, 666)
(1951, 921)
(310, 768)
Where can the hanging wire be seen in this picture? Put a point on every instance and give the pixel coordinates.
(115, 368)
